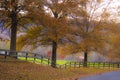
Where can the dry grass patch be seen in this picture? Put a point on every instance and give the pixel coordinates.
(31, 71)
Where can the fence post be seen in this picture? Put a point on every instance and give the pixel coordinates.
(41, 59)
(103, 64)
(79, 64)
(26, 56)
(5, 55)
(16, 55)
(93, 64)
(34, 58)
(109, 65)
(74, 64)
(117, 65)
(48, 61)
(70, 64)
(65, 66)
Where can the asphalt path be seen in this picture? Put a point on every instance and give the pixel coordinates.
(105, 76)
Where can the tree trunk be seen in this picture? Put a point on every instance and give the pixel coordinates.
(54, 50)
(85, 58)
(13, 16)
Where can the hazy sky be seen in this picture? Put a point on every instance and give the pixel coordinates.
(115, 10)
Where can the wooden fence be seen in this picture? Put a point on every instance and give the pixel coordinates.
(92, 65)
(20, 54)
(37, 58)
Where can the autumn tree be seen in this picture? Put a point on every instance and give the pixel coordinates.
(52, 24)
(89, 24)
(113, 42)
(59, 10)
(13, 14)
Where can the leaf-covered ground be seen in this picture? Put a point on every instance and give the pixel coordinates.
(30, 71)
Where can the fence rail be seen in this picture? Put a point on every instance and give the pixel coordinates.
(93, 64)
(37, 58)
(19, 54)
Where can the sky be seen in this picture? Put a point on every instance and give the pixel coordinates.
(114, 10)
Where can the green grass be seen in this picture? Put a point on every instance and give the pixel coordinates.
(61, 62)
(44, 61)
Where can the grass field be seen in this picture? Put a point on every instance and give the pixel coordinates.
(44, 61)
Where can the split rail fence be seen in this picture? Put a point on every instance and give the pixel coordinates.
(37, 58)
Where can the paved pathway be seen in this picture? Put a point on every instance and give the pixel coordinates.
(105, 76)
